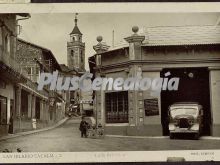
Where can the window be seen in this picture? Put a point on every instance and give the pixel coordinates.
(184, 111)
(2, 84)
(37, 71)
(33, 73)
(72, 53)
(76, 60)
(116, 107)
(3, 110)
(81, 55)
(28, 70)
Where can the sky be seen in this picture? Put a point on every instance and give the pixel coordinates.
(52, 30)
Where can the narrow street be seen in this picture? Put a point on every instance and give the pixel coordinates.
(66, 138)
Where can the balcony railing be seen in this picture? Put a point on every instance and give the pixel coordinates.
(12, 63)
(33, 86)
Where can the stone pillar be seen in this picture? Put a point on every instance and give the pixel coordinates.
(46, 111)
(55, 111)
(215, 100)
(29, 105)
(17, 114)
(33, 110)
(14, 110)
(41, 110)
(102, 112)
(136, 117)
(18, 101)
(135, 98)
(135, 42)
(98, 107)
(100, 47)
(100, 95)
(135, 106)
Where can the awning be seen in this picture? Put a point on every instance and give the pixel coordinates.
(10, 75)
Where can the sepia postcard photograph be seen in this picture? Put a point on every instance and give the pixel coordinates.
(109, 86)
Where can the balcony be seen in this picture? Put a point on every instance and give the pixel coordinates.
(32, 87)
(11, 67)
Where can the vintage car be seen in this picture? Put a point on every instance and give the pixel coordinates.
(185, 117)
(72, 111)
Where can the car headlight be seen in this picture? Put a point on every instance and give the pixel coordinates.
(175, 121)
(195, 127)
(171, 127)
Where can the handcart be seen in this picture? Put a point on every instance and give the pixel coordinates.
(94, 131)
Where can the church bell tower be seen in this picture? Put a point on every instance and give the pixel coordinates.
(76, 49)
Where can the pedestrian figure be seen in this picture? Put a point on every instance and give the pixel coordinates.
(83, 127)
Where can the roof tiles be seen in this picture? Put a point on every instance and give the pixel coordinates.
(182, 35)
(76, 30)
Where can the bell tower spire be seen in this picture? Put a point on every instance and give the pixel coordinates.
(76, 19)
(76, 49)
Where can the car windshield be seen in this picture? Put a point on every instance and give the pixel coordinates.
(184, 111)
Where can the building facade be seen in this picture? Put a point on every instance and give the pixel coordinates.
(45, 106)
(10, 71)
(190, 53)
(22, 106)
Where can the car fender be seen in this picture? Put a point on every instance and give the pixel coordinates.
(172, 127)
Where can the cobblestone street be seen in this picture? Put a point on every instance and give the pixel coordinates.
(66, 138)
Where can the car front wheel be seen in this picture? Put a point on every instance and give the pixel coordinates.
(196, 136)
(171, 136)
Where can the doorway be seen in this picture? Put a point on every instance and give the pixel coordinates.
(193, 87)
